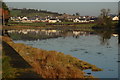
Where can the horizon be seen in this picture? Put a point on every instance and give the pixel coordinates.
(84, 8)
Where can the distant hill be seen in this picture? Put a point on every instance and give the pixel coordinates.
(32, 12)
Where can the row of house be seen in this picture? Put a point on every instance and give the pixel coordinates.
(51, 20)
(62, 18)
(30, 20)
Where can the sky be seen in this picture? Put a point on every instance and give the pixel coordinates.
(61, 0)
(63, 6)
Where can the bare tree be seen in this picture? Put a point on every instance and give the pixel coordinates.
(105, 13)
(104, 20)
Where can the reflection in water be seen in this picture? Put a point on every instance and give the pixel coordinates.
(86, 47)
(105, 35)
(32, 34)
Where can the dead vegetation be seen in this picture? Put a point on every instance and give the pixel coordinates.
(52, 64)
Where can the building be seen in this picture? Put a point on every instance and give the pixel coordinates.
(80, 20)
(116, 18)
(53, 20)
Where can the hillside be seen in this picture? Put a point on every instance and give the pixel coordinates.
(32, 12)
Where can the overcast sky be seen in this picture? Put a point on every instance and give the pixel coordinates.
(61, 0)
(84, 7)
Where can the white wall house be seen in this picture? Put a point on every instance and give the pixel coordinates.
(19, 18)
(116, 18)
(53, 20)
(80, 20)
(44, 20)
(24, 18)
(12, 18)
(76, 20)
(15, 18)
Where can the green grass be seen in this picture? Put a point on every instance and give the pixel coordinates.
(114, 22)
(19, 13)
(40, 14)
(14, 66)
(11, 23)
(8, 71)
(15, 13)
(44, 24)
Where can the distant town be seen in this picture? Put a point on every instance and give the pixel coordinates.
(52, 17)
(42, 44)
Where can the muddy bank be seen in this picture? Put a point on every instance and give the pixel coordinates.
(52, 64)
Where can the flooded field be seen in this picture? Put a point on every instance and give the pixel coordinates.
(96, 47)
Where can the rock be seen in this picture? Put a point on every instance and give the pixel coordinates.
(99, 53)
(88, 73)
(86, 52)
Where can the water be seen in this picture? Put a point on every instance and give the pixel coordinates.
(85, 45)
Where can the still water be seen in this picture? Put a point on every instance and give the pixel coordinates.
(96, 48)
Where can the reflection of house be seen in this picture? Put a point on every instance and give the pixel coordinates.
(115, 18)
(76, 32)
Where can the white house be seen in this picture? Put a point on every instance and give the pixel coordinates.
(116, 18)
(76, 20)
(80, 20)
(43, 20)
(12, 18)
(115, 35)
(19, 18)
(15, 18)
(24, 18)
(53, 20)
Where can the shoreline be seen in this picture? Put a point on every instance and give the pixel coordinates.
(52, 64)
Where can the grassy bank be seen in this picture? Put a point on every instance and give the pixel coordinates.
(35, 24)
(58, 25)
(52, 64)
(8, 70)
(51, 25)
(14, 66)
